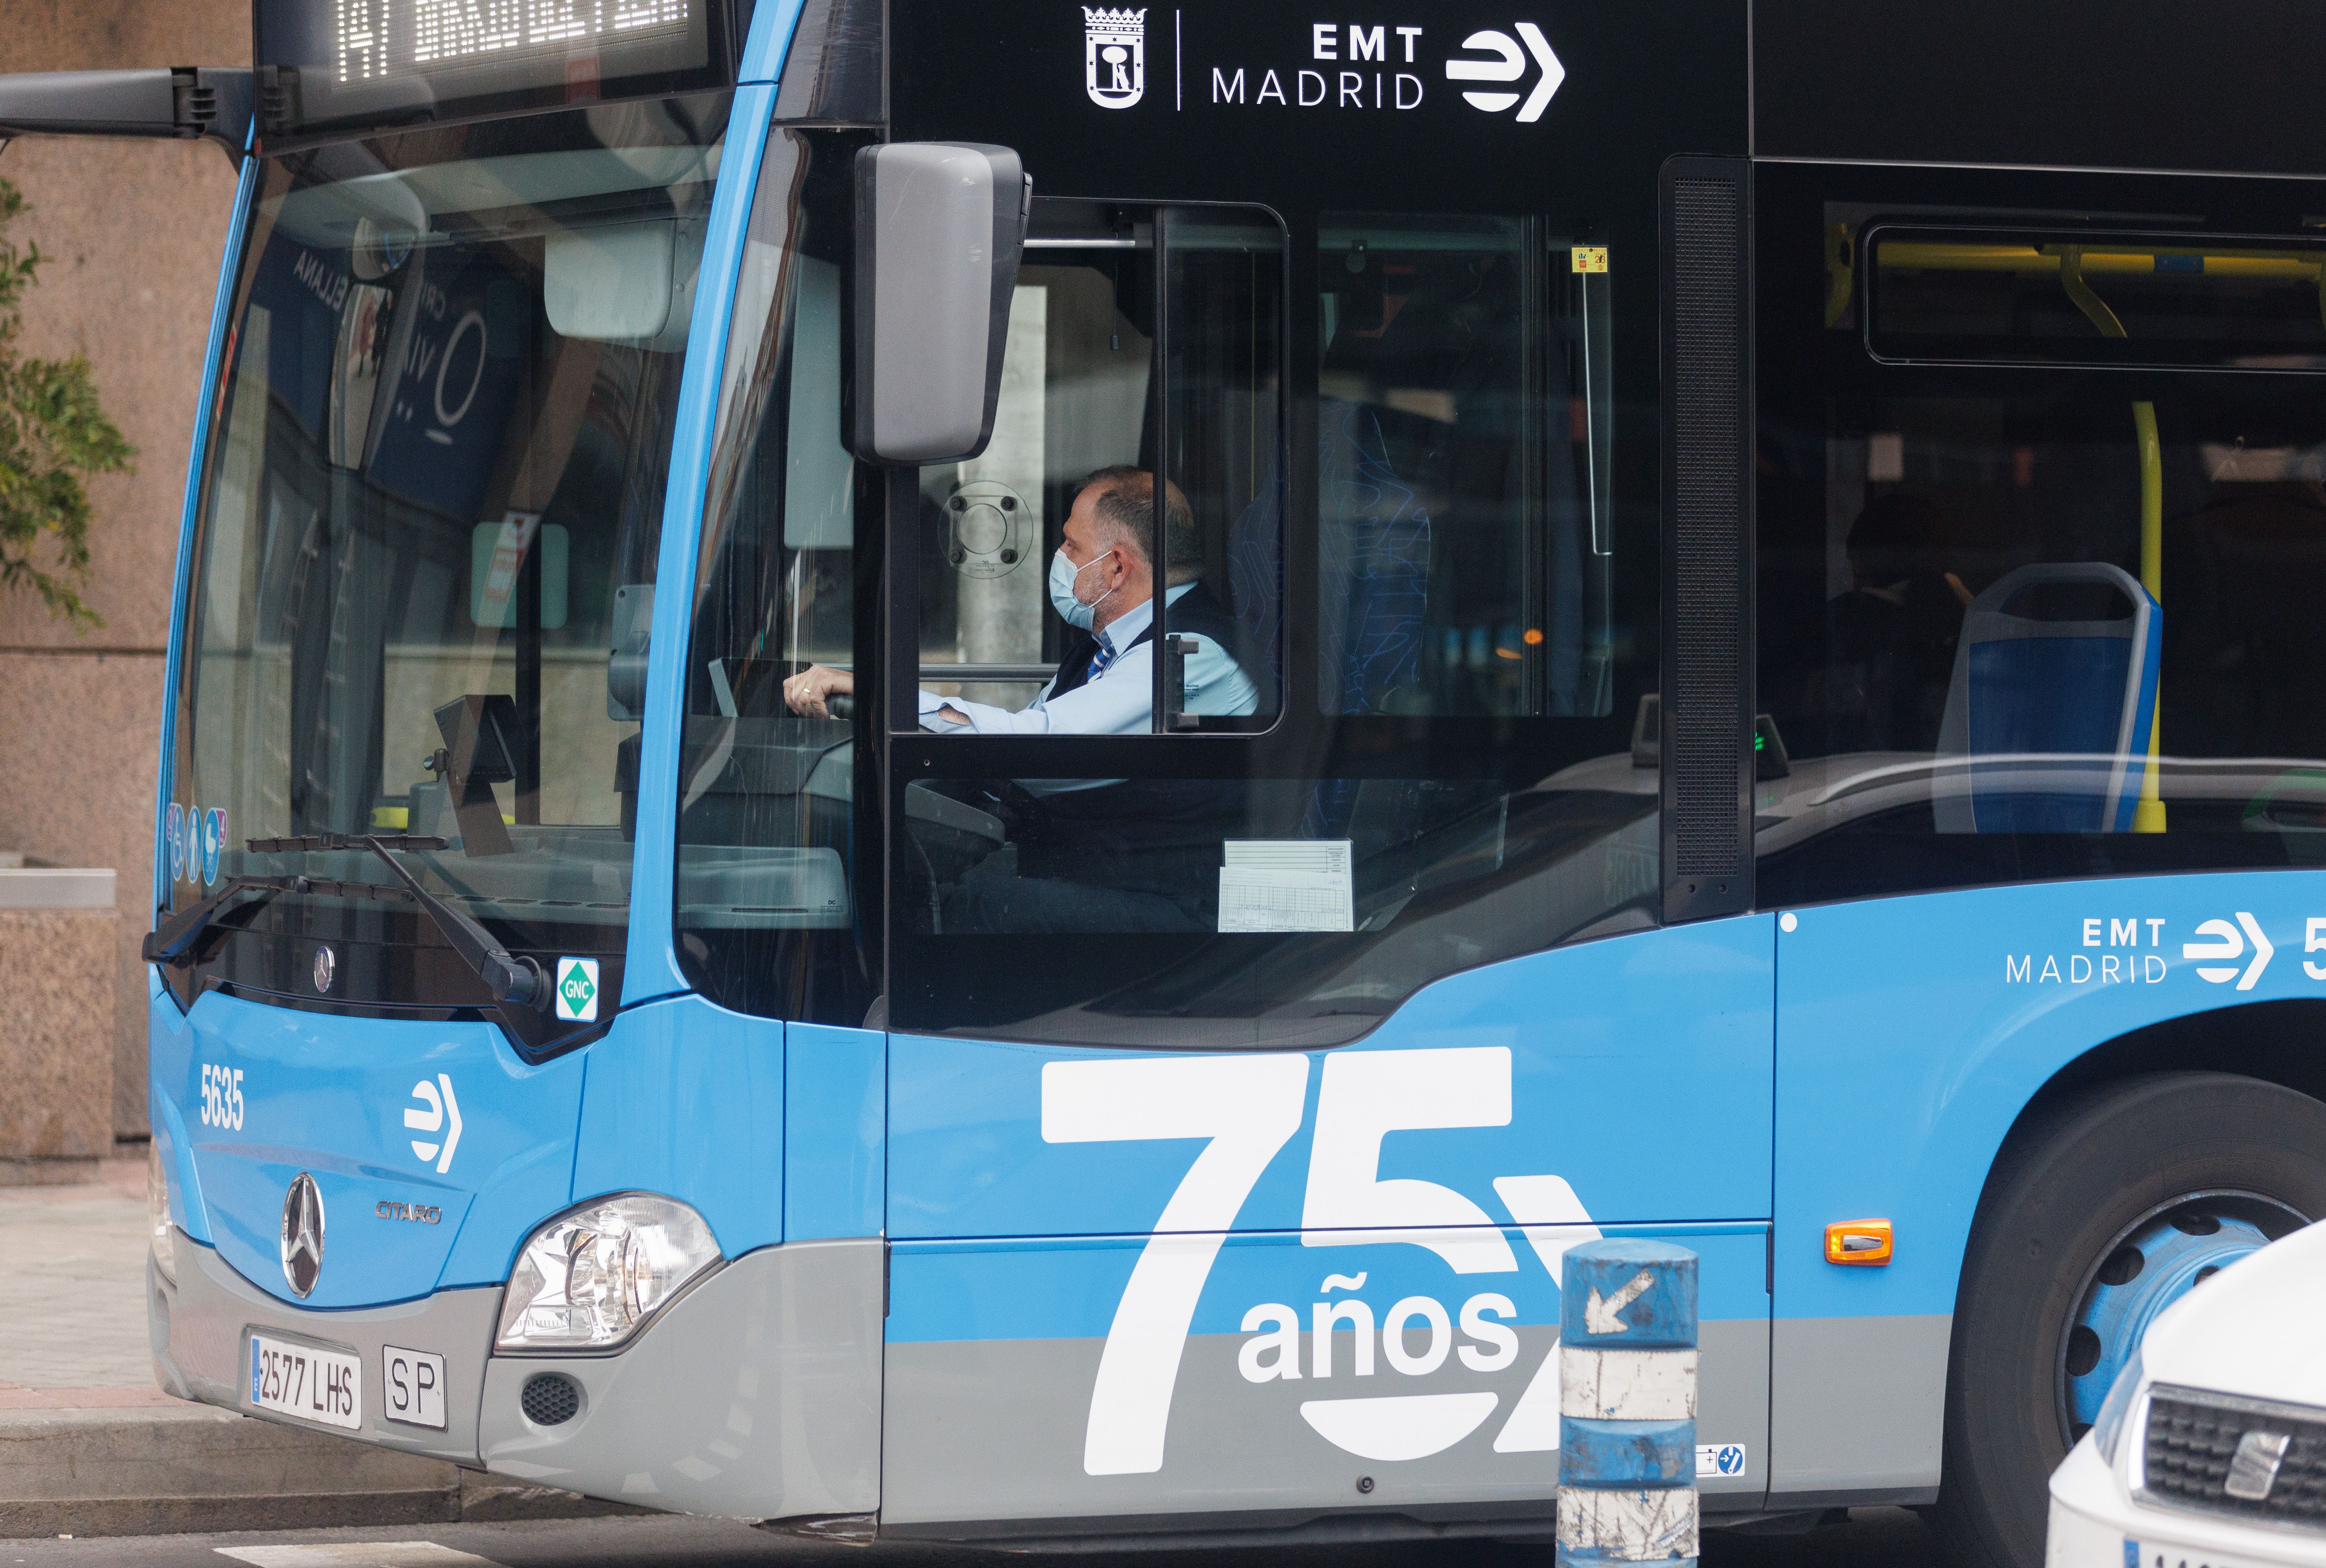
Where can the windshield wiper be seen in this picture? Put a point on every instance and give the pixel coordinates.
(519, 986)
(169, 942)
(513, 981)
(172, 940)
(308, 843)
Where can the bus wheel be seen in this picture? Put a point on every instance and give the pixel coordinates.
(2096, 1218)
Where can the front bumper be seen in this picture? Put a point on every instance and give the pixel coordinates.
(755, 1395)
(2096, 1523)
(201, 1329)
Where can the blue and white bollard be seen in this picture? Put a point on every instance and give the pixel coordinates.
(1627, 1404)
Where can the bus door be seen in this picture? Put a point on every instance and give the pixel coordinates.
(1274, 975)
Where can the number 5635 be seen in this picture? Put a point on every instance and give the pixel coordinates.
(222, 1097)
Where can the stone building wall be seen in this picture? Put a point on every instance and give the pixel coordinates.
(132, 231)
(56, 973)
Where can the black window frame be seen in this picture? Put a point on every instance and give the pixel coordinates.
(1062, 755)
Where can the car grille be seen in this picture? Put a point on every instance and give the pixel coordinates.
(2192, 1440)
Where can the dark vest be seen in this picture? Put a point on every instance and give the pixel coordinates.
(1195, 612)
(1158, 836)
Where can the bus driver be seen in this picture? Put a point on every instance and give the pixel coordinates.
(1101, 584)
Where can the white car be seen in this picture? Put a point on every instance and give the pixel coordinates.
(2211, 1451)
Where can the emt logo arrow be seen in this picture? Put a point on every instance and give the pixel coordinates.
(2229, 945)
(430, 1116)
(1509, 67)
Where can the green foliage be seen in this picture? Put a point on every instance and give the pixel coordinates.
(52, 432)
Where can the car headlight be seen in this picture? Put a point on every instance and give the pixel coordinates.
(590, 1278)
(157, 1212)
(2108, 1429)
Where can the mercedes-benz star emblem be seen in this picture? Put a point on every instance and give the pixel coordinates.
(325, 964)
(303, 1234)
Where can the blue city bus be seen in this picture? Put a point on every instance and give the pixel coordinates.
(1739, 663)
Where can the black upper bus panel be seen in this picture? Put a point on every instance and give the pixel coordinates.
(2124, 84)
(1457, 105)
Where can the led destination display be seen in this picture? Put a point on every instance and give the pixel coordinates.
(382, 60)
(380, 37)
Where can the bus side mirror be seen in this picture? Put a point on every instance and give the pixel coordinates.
(187, 102)
(939, 229)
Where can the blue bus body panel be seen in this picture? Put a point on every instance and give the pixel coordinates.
(686, 1098)
(1912, 1031)
(1212, 1282)
(1069, 1289)
(355, 1102)
(1638, 1071)
(835, 1132)
(1910, 1034)
(169, 1050)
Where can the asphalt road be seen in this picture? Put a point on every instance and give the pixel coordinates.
(1871, 1538)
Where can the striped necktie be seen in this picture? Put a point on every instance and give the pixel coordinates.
(1101, 659)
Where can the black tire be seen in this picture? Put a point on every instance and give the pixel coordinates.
(2068, 1186)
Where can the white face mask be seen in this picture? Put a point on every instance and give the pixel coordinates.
(1065, 577)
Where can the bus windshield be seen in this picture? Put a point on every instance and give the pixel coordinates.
(424, 565)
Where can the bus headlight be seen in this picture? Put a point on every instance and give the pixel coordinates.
(157, 1212)
(2107, 1430)
(590, 1278)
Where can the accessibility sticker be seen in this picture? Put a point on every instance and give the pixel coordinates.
(1720, 1459)
(577, 990)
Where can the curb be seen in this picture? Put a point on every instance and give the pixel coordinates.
(179, 1468)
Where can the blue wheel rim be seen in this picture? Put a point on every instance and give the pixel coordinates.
(2158, 1259)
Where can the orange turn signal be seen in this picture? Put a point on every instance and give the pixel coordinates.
(1858, 1243)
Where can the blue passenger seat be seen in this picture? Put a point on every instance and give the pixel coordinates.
(2052, 717)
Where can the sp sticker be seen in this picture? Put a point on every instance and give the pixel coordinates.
(577, 990)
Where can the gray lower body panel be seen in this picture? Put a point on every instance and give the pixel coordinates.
(756, 1396)
(984, 1439)
(1860, 1412)
(202, 1328)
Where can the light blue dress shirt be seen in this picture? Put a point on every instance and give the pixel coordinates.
(1120, 700)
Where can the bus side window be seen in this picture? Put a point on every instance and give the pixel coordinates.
(1461, 427)
(766, 910)
(1444, 552)
(1118, 364)
(2055, 623)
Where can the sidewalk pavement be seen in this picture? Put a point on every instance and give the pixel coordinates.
(88, 1446)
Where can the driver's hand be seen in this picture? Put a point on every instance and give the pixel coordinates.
(804, 692)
